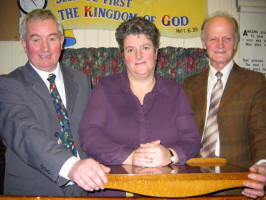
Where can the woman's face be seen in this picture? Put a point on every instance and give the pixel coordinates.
(140, 56)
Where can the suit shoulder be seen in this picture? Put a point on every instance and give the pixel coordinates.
(16, 75)
(251, 73)
(79, 77)
(195, 76)
(252, 76)
(75, 72)
(194, 79)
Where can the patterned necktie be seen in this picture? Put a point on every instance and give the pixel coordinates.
(66, 138)
(211, 132)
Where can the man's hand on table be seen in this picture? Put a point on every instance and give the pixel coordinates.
(255, 189)
(89, 174)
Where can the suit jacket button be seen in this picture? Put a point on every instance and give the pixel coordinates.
(56, 134)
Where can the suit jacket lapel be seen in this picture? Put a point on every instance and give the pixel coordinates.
(71, 89)
(234, 82)
(34, 81)
(201, 98)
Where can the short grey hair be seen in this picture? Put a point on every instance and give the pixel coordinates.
(219, 14)
(38, 14)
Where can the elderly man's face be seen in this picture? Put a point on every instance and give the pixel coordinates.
(220, 41)
(43, 44)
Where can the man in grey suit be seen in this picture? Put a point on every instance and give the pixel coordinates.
(36, 163)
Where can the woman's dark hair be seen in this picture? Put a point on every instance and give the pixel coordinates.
(135, 26)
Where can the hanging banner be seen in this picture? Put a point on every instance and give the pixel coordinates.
(174, 18)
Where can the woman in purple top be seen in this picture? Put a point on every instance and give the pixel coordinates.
(138, 117)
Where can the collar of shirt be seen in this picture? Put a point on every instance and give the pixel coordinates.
(125, 86)
(225, 71)
(59, 81)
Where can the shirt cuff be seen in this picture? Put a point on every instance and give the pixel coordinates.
(67, 166)
(260, 162)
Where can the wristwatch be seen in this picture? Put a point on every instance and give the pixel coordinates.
(172, 159)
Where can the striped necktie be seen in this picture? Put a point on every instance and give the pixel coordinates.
(66, 138)
(211, 132)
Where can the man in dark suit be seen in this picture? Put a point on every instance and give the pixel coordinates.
(241, 115)
(36, 162)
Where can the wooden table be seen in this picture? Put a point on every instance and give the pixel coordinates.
(198, 177)
(110, 198)
(195, 179)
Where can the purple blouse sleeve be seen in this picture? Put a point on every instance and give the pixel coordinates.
(93, 140)
(189, 145)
